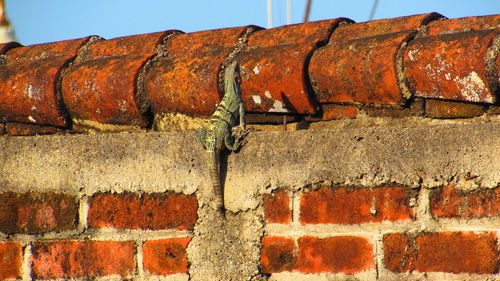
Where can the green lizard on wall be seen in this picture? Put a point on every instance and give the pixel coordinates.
(219, 133)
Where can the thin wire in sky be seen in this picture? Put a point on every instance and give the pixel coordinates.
(307, 11)
(374, 9)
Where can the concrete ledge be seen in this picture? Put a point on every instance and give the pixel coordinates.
(467, 154)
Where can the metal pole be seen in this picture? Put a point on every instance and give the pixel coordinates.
(288, 11)
(308, 10)
(374, 8)
(269, 13)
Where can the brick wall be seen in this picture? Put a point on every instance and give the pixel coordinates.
(322, 230)
(53, 235)
(389, 231)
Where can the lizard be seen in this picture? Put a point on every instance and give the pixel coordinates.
(219, 132)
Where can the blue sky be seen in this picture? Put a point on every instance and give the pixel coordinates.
(40, 21)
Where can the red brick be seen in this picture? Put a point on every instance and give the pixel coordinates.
(278, 254)
(277, 208)
(330, 111)
(470, 252)
(415, 107)
(463, 24)
(274, 67)
(343, 254)
(448, 202)
(455, 252)
(23, 129)
(383, 26)
(400, 253)
(29, 82)
(10, 260)
(186, 80)
(167, 256)
(271, 118)
(452, 109)
(149, 211)
(451, 66)
(337, 112)
(102, 85)
(69, 259)
(356, 205)
(37, 213)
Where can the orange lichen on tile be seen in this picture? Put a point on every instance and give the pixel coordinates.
(383, 26)
(463, 24)
(186, 80)
(362, 64)
(326, 69)
(274, 67)
(451, 66)
(359, 71)
(102, 85)
(29, 82)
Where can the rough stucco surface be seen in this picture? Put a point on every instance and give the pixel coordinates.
(463, 153)
(226, 249)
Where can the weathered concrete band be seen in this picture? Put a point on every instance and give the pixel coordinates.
(414, 156)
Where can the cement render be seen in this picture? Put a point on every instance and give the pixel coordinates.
(467, 154)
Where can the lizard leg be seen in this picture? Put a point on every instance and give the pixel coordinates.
(232, 143)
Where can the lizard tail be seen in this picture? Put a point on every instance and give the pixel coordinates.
(214, 174)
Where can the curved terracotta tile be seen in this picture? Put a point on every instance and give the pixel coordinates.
(451, 66)
(463, 24)
(7, 46)
(29, 82)
(101, 85)
(274, 67)
(362, 62)
(383, 26)
(363, 70)
(205, 41)
(104, 91)
(186, 79)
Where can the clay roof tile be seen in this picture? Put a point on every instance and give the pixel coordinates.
(330, 67)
